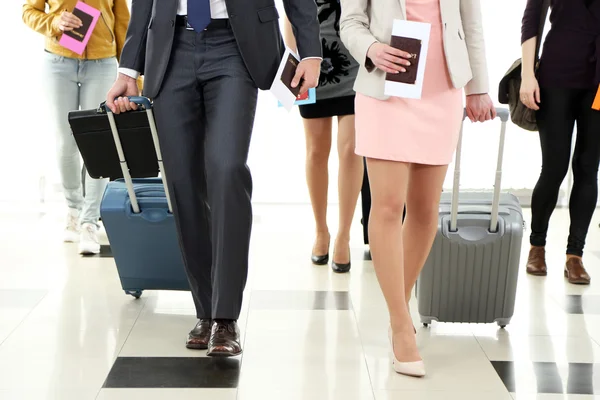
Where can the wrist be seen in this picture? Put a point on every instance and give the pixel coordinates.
(370, 48)
(55, 25)
(527, 73)
(126, 78)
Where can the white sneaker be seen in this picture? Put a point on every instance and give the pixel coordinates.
(88, 242)
(71, 234)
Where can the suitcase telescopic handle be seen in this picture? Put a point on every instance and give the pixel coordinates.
(503, 114)
(147, 105)
(145, 102)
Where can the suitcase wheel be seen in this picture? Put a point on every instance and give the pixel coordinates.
(135, 293)
(425, 324)
(502, 322)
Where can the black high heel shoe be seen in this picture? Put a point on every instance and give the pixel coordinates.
(341, 268)
(320, 260)
(323, 259)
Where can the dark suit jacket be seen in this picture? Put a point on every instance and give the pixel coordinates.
(255, 24)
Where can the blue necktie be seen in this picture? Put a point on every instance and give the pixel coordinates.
(198, 14)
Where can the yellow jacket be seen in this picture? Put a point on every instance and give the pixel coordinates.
(107, 39)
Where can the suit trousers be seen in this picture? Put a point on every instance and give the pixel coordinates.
(204, 114)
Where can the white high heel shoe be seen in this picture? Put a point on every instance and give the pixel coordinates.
(415, 368)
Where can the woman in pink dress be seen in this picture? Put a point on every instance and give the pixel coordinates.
(409, 143)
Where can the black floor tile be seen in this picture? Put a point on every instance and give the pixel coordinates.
(105, 251)
(549, 377)
(174, 372)
(299, 300)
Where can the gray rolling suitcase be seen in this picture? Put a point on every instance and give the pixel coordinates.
(472, 269)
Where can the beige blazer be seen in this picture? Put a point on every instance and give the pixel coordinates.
(364, 22)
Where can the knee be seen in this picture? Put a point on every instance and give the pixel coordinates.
(553, 174)
(347, 151)
(317, 154)
(423, 213)
(66, 146)
(585, 171)
(224, 172)
(388, 210)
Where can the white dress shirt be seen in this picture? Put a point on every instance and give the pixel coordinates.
(218, 9)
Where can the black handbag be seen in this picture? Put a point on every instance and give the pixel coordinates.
(510, 85)
(92, 133)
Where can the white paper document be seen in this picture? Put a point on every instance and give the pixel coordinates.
(281, 87)
(413, 30)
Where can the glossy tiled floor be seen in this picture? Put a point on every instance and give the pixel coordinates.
(68, 332)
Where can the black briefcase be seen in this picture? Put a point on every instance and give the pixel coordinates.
(94, 138)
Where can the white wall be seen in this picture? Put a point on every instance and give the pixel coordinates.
(277, 152)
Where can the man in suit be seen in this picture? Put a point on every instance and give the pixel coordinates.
(203, 62)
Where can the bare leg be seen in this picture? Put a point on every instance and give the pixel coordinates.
(349, 184)
(389, 182)
(318, 146)
(420, 226)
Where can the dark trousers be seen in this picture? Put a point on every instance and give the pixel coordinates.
(204, 114)
(560, 110)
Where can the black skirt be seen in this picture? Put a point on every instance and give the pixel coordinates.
(334, 107)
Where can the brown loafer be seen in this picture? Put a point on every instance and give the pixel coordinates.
(575, 272)
(199, 336)
(224, 339)
(536, 263)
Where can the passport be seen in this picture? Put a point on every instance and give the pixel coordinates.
(413, 47)
(289, 71)
(77, 39)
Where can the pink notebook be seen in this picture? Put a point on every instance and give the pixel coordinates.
(77, 39)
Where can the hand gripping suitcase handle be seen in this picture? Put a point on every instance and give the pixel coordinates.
(501, 113)
(147, 105)
(139, 100)
(504, 116)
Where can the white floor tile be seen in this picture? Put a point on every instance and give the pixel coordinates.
(452, 363)
(49, 373)
(56, 393)
(161, 334)
(52, 344)
(162, 394)
(541, 348)
(309, 392)
(437, 395)
(352, 376)
(531, 396)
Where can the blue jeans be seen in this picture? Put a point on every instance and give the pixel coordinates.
(72, 84)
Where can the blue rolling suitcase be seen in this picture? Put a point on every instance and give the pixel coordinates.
(139, 222)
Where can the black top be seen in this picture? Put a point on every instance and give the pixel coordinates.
(571, 51)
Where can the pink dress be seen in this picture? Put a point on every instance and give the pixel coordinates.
(423, 131)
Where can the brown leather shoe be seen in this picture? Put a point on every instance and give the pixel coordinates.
(224, 339)
(199, 336)
(575, 272)
(536, 263)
